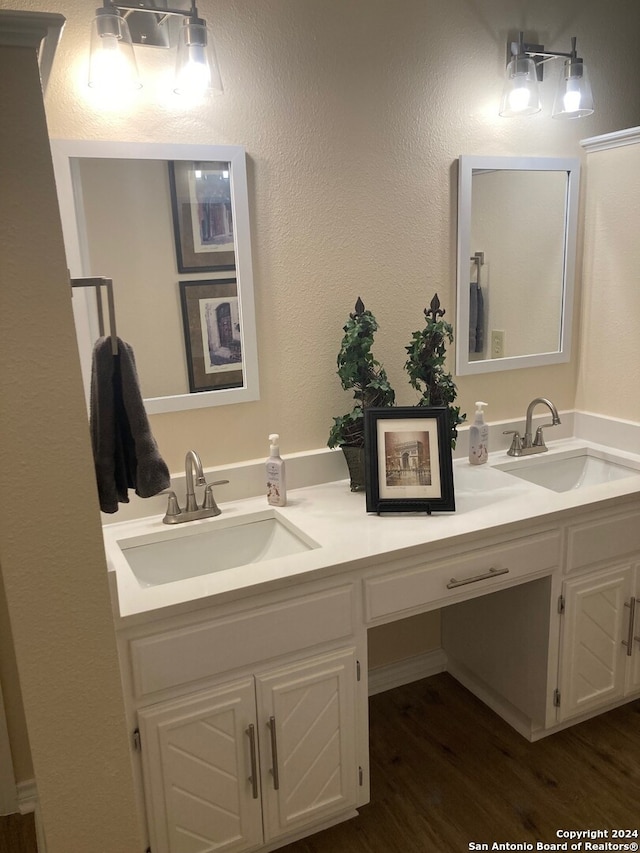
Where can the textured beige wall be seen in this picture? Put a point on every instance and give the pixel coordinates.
(353, 113)
(400, 640)
(51, 556)
(609, 376)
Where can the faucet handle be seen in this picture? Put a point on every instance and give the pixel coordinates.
(173, 507)
(209, 501)
(516, 443)
(539, 439)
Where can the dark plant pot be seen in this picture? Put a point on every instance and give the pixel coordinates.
(355, 463)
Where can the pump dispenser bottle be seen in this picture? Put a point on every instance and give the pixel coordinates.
(276, 485)
(479, 438)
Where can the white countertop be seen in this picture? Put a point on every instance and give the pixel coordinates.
(336, 519)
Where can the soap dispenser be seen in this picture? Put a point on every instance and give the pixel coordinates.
(479, 437)
(276, 485)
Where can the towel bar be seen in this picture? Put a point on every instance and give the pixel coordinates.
(478, 260)
(97, 282)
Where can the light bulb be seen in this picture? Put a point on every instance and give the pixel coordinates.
(194, 76)
(520, 93)
(571, 100)
(196, 65)
(112, 64)
(519, 99)
(573, 97)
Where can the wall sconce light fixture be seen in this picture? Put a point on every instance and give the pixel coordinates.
(520, 95)
(118, 26)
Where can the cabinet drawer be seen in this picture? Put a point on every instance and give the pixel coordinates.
(603, 540)
(464, 577)
(190, 654)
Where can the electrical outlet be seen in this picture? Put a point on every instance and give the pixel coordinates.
(497, 344)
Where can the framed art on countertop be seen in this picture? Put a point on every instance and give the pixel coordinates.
(408, 460)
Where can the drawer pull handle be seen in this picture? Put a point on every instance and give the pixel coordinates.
(492, 573)
(274, 753)
(251, 734)
(631, 604)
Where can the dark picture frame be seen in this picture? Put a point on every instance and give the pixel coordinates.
(212, 334)
(202, 210)
(408, 460)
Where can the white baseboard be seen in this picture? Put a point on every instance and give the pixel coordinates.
(28, 803)
(500, 706)
(27, 797)
(405, 671)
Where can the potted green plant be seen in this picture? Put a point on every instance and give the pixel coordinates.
(425, 365)
(358, 371)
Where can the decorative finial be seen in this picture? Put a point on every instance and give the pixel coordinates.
(434, 309)
(359, 309)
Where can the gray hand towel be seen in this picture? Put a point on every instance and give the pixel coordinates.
(125, 453)
(473, 315)
(476, 318)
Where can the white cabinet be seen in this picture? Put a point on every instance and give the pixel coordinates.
(197, 767)
(310, 711)
(238, 766)
(599, 656)
(252, 714)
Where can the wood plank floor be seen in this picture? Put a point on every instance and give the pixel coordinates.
(17, 834)
(446, 771)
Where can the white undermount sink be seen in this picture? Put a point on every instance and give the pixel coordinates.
(577, 469)
(215, 546)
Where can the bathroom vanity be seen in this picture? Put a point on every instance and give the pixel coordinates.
(246, 687)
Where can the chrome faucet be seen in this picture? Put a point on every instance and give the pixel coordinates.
(194, 476)
(526, 445)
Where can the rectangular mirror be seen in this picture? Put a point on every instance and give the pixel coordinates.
(517, 226)
(169, 224)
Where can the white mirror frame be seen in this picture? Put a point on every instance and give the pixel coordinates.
(467, 164)
(66, 154)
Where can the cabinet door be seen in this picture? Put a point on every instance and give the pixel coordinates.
(593, 657)
(307, 719)
(197, 767)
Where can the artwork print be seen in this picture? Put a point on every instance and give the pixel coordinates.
(220, 327)
(405, 465)
(202, 209)
(212, 322)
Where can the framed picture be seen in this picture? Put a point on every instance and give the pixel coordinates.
(408, 460)
(213, 342)
(202, 215)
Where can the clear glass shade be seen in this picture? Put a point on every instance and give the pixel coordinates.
(196, 65)
(573, 97)
(520, 96)
(112, 64)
